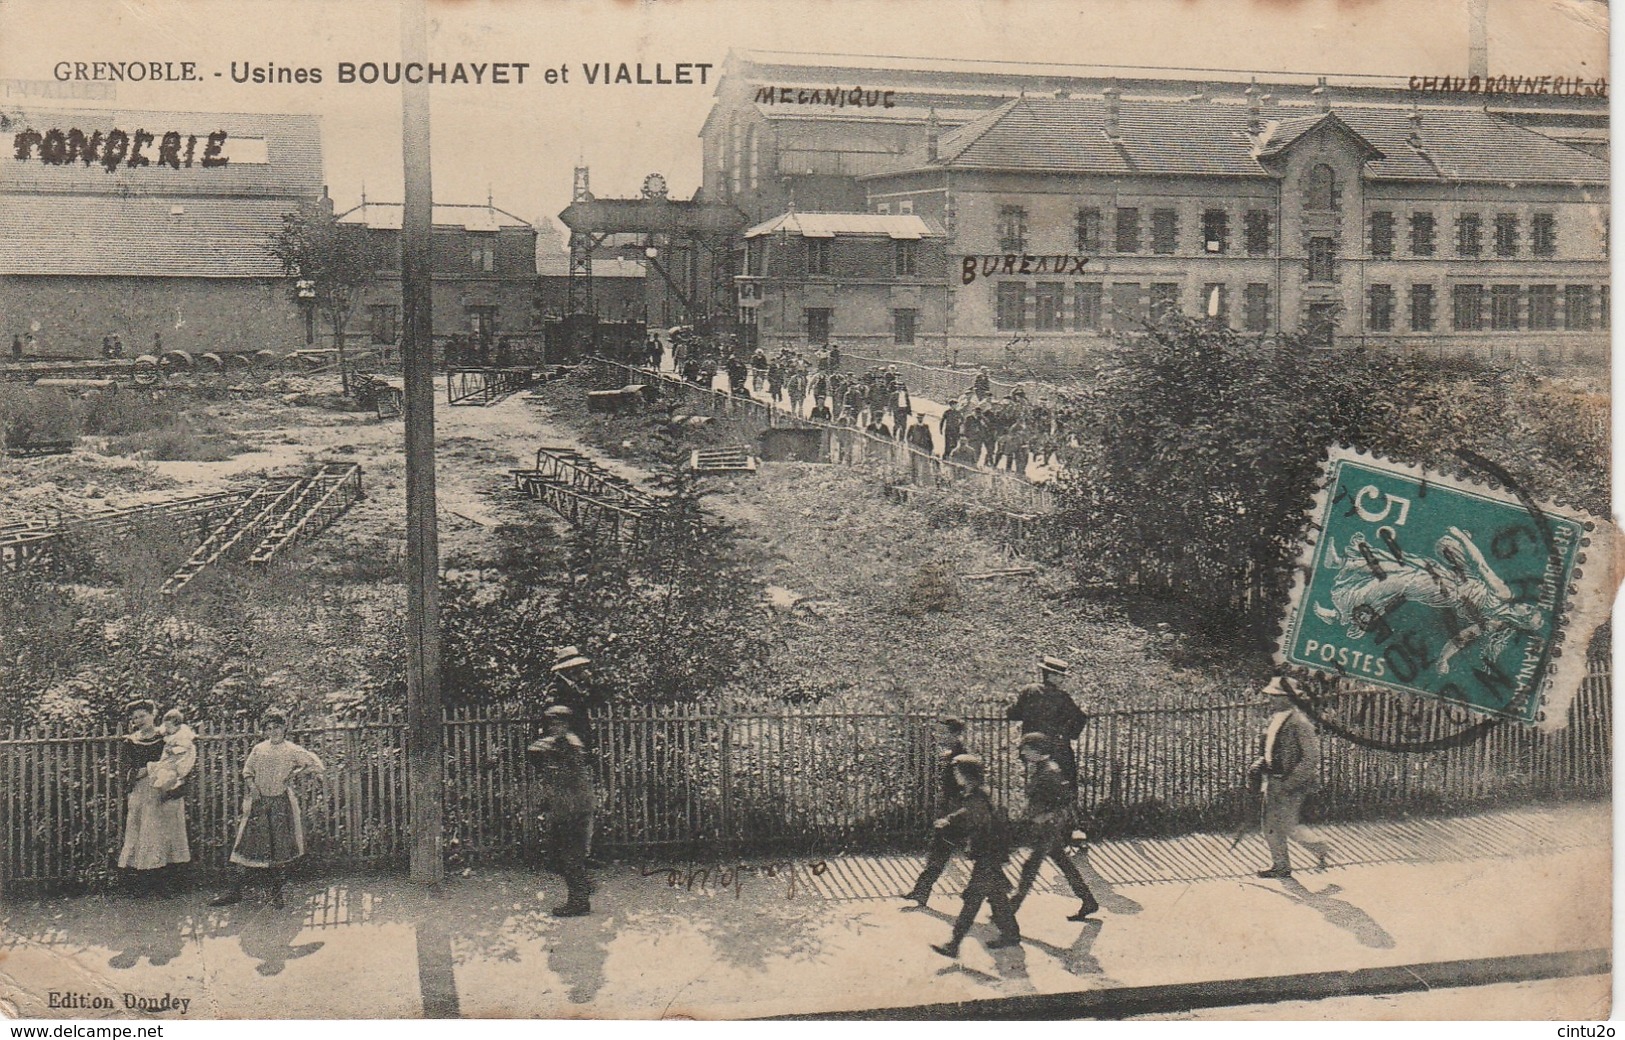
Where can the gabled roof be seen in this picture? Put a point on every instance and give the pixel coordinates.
(1208, 139)
(386, 216)
(142, 236)
(828, 225)
(275, 154)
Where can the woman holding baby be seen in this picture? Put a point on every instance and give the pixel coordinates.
(156, 762)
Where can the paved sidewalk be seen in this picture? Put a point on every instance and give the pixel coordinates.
(1184, 924)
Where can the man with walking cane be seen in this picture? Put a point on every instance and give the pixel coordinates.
(1287, 769)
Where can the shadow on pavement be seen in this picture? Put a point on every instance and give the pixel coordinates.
(1339, 912)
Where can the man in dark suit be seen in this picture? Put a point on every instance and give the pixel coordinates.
(977, 824)
(1288, 768)
(1052, 812)
(1044, 707)
(950, 792)
(561, 763)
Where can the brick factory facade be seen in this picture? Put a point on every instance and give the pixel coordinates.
(174, 251)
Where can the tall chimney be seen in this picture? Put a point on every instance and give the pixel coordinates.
(1478, 39)
(1114, 113)
(1255, 111)
(1323, 100)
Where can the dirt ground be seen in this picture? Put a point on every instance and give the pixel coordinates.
(866, 603)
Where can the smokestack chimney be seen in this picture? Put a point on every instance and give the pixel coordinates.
(933, 134)
(1323, 100)
(1478, 39)
(1114, 113)
(1255, 111)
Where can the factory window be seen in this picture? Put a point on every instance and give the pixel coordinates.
(1164, 300)
(1047, 305)
(1216, 231)
(1542, 307)
(483, 256)
(1012, 229)
(908, 257)
(1469, 235)
(1256, 305)
(1128, 229)
(1382, 233)
(1320, 191)
(1257, 231)
(1577, 308)
(1380, 303)
(384, 322)
(1012, 306)
(1127, 311)
(1506, 234)
(1543, 234)
(1421, 308)
(1422, 234)
(1322, 260)
(1086, 307)
(818, 322)
(818, 256)
(903, 321)
(1469, 308)
(1216, 303)
(1164, 231)
(1088, 236)
(1504, 308)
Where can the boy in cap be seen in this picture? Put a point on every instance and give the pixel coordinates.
(1044, 707)
(567, 799)
(949, 748)
(1288, 767)
(979, 827)
(1051, 808)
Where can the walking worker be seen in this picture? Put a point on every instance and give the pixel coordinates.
(567, 800)
(1052, 812)
(1288, 768)
(1044, 707)
(977, 825)
(951, 744)
(271, 834)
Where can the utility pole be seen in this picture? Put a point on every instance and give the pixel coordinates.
(425, 769)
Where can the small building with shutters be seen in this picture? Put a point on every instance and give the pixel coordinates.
(863, 280)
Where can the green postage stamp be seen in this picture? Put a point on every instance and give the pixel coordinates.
(1465, 592)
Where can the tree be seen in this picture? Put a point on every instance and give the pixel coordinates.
(330, 263)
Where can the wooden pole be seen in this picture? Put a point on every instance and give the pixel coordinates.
(425, 770)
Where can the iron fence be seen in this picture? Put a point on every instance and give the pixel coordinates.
(698, 780)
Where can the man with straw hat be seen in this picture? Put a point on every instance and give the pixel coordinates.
(1288, 767)
(1045, 707)
(568, 800)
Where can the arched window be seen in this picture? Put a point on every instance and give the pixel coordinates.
(1321, 191)
(752, 143)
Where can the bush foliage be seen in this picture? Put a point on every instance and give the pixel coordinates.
(1205, 448)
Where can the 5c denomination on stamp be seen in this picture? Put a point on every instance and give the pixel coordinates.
(1453, 589)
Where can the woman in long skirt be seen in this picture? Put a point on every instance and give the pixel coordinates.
(155, 821)
(271, 835)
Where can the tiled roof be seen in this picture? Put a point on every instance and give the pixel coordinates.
(48, 234)
(292, 151)
(1207, 139)
(386, 216)
(828, 225)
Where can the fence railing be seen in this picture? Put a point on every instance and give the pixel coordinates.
(697, 780)
(946, 384)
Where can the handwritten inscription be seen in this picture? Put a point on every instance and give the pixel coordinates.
(732, 878)
(65, 147)
(1019, 263)
(1563, 86)
(830, 97)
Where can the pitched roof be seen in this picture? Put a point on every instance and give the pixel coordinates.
(828, 225)
(386, 216)
(1208, 139)
(270, 154)
(141, 235)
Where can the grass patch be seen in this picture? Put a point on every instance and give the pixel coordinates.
(183, 440)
